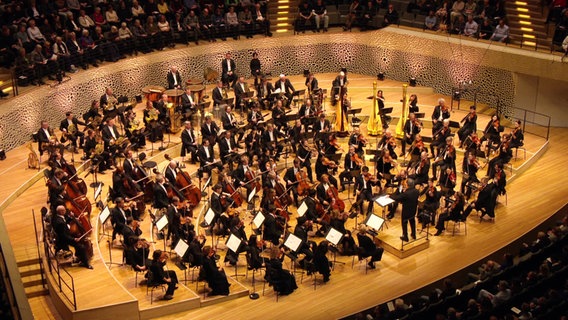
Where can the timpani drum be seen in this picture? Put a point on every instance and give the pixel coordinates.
(153, 93)
(197, 89)
(175, 96)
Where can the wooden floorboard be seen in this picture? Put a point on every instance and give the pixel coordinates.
(532, 197)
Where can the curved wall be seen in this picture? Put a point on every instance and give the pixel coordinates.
(436, 61)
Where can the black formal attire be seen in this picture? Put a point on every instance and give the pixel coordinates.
(321, 126)
(440, 140)
(311, 213)
(159, 275)
(470, 176)
(64, 239)
(409, 129)
(321, 263)
(217, 280)
(187, 104)
(240, 89)
(439, 115)
(307, 115)
(217, 94)
(109, 133)
(286, 88)
(44, 136)
(517, 139)
(118, 219)
(365, 189)
(174, 80)
(291, 182)
(209, 131)
(80, 134)
(270, 141)
(188, 144)
(137, 257)
(283, 281)
(161, 199)
(263, 92)
(227, 150)
(349, 166)
(485, 202)
(367, 248)
(206, 157)
(305, 156)
(271, 231)
(253, 117)
(447, 160)
(469, 126)
(505, 155)
(240, 233)
(409, 199)
(452, 213)
(228, 65)
(279, 118)
(321, 193)
(217, 208)
(174, 224)
(336, 85)
(421, 172)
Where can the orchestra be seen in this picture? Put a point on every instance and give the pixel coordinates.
(283, 180)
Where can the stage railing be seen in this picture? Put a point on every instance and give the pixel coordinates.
(64, 281)
(532, 122)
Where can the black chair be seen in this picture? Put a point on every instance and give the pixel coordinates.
(152, 284)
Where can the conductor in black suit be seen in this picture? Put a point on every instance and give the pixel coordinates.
(188, 142)
(174, 79)
(409, 200)
(229, 68)
(283, 85)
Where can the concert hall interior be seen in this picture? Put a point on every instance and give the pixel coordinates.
(278, 175)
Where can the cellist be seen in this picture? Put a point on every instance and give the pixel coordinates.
(64, 239)
(364, 189)
(291, 179)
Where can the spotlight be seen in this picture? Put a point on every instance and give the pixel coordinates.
(381, 76)
(456, 96)
(412, 82)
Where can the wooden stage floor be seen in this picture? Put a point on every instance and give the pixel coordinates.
(533, 196)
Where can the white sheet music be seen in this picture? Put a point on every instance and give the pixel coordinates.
(98, 191)
(374, 221)
(334, 236)
(209, 216)
(162, 223)
(258, 219)
(181, 248)
(292, 242)
(104, 215)
(233, 243)
(302, 209)
(384, 201)
(251, 195)
(206, 184)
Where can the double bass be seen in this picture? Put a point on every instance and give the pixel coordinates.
(80, 227)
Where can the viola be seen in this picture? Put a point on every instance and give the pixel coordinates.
(358, 161)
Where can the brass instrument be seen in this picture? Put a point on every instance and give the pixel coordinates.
(33, 159)
(224, 91)
(404, 113)
(174, 117)
(134, 125)
(119, 141)
(375, 126)
(152, 115)
(111, 104)
(99, 149)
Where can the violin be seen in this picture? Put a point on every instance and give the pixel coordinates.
(362, 139)
(281, 208)
(357, 160)
(370, 177)
(333, 142)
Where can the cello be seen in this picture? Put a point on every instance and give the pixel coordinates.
(230, 189)
(183, 182)
(336, 203)
(303, 185)
(80, 227)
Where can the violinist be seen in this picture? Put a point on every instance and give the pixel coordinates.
(439, 140)
(152, 122)
(351, 163)
(332, 145)
(364, 189)
(388, 143)
(118, 216)
(325, 166)
(161, 200)
(161, 276)
(206, 158)
(472, 143)
(440, 113)
(237, 229)
(64, 239)
(448, 181)
(430, 205)
(499, 179)
(517, 136)
(446, 159)
(469, 168)
(384, 166)
(358, 141)
(492, 133)
(254, 117)
(367, 247)
(452, 212)
(485, 202)
(292, 181)
(228, 149)
(303, 226)
(304, 155)
(47, 141)
(270, 141)
(279, 116)
(505, 155)
(411, 128)
(215, 276)
(243, 173)
(413, 104)
(188, 142)
(420, 169)
(409, 200)
(209, 130)
(469, 125)
(346, 246)
(70, 128)
(307, 114)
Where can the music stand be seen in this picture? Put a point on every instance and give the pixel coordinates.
(375, 223)
(180, 250)
(233, 243)
(334, 237)
(383, 201)
(302, 209)
(293, 243)
(258, 220)
(161, 224)
(103, 217)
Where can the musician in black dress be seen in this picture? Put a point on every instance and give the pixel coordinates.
(283, 280)
(237, 228)
(505, 155)
(215, 276)
(321, 262)
(64, 239)
(452, 212)
(307, 247)
(368, 248)
(161, 276)
(291, 179)
(517, 136)
(188, 142)
(469, 168)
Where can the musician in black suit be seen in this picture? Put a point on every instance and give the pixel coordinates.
(307, 114)
(188, 142)
(188, 105)
(56, 189)
(322, 124)
(229, 70)
(284, 86)
(174, 79)
(161, 276)
(291, 180)
(412, 127)
(171, 172)
(46, 139)
(206, 158)
(161, 199)
(174, 222)
(279, 116)
(421, 168)
(216, 204)
(321, 191)
(485, 202)
(118, 216)
(228, 148)
(304, 154)
(218, 94)
(240, 88)
(440, 113)
(64, 239)
(364, 189)
(209, 130)
(270, 141)
(368, 248)
(237, 228)
(349, 165)
(339, 83)
(439, 139)
(64, 126)
(311, 83)
(110, 134)
(254, 116)
(263, 92)
(108, 102)
(306, 248)
(409, 200)
(271, 232)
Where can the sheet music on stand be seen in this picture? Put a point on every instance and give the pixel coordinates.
(292, 242)
(334, 236)
(384, 200)
(98, 191)
(302, 209)
(162, 223)
(181, 248)
(374, 222)
(258, 219)
(233, 243)
(104, 215)
(207, 183)
(209, 216)
(251, 195)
